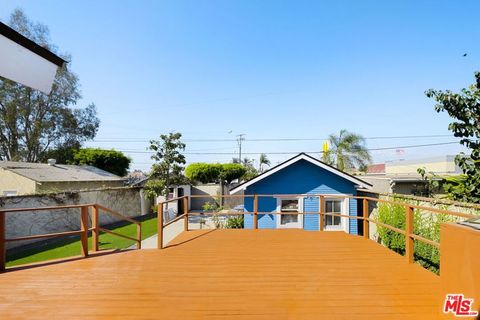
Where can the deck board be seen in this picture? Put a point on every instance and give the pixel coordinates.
(240, 274)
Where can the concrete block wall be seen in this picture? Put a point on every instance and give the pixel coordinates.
(127, 201)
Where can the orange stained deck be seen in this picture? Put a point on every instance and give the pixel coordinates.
(240, 274)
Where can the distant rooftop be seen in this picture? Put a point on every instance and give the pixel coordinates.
(445, 158)
(407, 169)
(42, 172)
(376, 168)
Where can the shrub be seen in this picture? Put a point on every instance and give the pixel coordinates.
(209, 207)
(109, 160)
(425, 224)
(231, 171)
(234, 222)
(214, 172)
(393, 215)
(203, 172)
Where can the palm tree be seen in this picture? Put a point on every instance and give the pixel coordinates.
(347, 151)
(245, 161)
(263, 161)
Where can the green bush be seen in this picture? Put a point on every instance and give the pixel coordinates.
(109, 160)
(203, 172)
(393, 215)
(232, 171)
(425, 224)
(234, 222)
(214, 172)
(209, 207)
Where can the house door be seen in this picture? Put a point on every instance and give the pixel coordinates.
(180, 202)
(337, 206)
(290, 205)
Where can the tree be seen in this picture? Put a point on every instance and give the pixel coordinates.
(62, 154)
(231, 171)
(203, 172)
(168, 166)
(245, 161)
(214, 172)
(263, 160)
(250, 171)
(347, 151)
(31, 122)
(464, 108)
(109, 160)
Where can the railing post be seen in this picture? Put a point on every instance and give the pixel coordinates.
(255, 212)
(95, 230)
(185, 212)
(84, 228)
(160, 226)
(366, 226)
(2, 242)
(409, 244)
(139, 236)
(321, 208)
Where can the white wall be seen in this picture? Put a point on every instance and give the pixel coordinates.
(438, 165)
(126, 201)
(23, 66)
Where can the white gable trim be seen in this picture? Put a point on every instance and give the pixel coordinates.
(299, 157)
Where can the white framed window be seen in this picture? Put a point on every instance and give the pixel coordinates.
(289, 220)
(338, 206)
(9, 193)
(289, 205)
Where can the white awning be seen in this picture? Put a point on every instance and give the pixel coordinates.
(25, 62)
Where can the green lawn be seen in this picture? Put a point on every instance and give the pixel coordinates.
(68, 247)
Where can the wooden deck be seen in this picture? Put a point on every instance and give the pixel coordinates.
(218, 274)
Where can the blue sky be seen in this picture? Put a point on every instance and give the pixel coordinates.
(268, 69)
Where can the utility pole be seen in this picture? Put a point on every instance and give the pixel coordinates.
(239, 141)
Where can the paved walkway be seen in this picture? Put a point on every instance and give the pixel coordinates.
(149, 243)
(173, 230)
(169, 233)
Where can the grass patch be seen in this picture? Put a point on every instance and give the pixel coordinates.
(64, 247)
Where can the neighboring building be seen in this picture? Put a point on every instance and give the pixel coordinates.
(136, 178)
(176, 207)
(402, 177)
(201, 194)
(17, 178)
(302, 174)
(442, 165)
(207, 193)
(376, 168)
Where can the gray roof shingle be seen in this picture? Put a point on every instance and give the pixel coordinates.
(42, 172)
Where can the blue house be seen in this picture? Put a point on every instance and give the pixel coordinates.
(302, 175)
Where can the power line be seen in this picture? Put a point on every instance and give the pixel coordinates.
(414, 146)
(297, 152)
(275, 139)
(366, 138)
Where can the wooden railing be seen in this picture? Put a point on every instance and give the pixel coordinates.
(364, 216)
(160, 221)
(83, 232)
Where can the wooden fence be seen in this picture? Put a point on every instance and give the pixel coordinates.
(95, 229)
(364, 216)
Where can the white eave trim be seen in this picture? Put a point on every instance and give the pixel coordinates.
(26, 62)
(295, 159)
